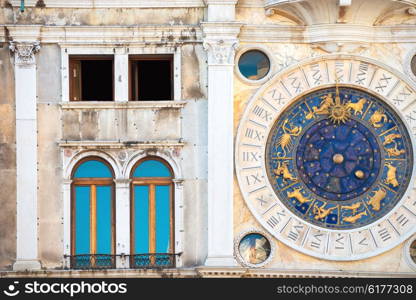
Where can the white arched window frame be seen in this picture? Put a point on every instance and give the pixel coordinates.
(122, 203)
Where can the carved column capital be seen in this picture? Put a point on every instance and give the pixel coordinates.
(178, 183)
(220, 41)
(122, 183)
(24, 52)
(220, 52)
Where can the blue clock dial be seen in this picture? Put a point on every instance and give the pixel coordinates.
(339, 158)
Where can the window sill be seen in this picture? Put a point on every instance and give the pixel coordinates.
(123, 105)
(121, 144)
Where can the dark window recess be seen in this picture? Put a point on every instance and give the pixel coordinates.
(91, 79)
(151, 79)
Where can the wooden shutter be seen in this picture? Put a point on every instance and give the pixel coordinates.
(75, 80)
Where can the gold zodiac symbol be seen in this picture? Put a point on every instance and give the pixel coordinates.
(320, 212)
(357, 107)
(353, 219)
(391, 175)
(353, 207)
(377, 117)
(394, 151)
(285, 141)
(327, 102)
(375, 200)
(283, 170)
(389, 139)
(297, 194)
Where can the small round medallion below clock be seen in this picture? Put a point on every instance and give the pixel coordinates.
(350, 158)
(253, 249)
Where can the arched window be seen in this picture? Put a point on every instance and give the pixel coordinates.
(152, 243)
(92, 214)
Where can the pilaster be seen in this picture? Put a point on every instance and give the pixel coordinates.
(26, 155)
(122, 221)
(220, 41)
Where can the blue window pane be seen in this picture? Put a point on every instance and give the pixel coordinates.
(152, 168)
(93, 169)
(82, 220)
(141, 219)
(103, 219)
(162, 218)
(254, 65)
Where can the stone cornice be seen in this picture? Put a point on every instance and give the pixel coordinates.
(101, 35)
(221, 29)
(113, 3)
(172, 35)
(24, 33)
(327, 33)
(207, 272)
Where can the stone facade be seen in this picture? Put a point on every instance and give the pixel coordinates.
(43, 134)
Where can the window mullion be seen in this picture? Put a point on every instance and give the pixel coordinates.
(152, 219)
(93, 214)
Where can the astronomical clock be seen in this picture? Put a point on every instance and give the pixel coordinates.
(325, 158)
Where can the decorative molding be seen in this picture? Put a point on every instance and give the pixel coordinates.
(101, 36)
(123, 105)
(337, 47)
(178, 182)
(220, 52)
(122, 183)
(121, 144)
(212, 272)
(204, 272)
(24, 52)
(270, 33)
(220, 41)
(130, 37)
(113, 3)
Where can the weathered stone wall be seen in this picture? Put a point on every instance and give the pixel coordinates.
(56, 124)
(7, 160)
(113, 124)
(50, 205)
(101, 16)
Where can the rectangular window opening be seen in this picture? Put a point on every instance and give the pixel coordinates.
(151, 77)
(91, 78)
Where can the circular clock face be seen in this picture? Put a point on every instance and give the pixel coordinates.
(339, 158)
(325, 159)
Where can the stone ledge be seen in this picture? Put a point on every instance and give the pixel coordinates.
(121, 144)
(204, 272)
(123, 105)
